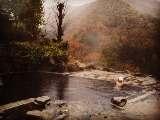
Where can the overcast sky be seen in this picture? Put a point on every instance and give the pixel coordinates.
(79, 2)
(70, 2)
(82, 2)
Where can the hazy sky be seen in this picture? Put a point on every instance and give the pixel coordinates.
(70, 2)
(79, 2)
(74, 2)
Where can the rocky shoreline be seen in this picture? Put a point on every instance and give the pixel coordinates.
(130, 79)
(42, 108)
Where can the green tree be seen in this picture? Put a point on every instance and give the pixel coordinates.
(32, 17)
(5, 25)
(13, 9)
(26, 17)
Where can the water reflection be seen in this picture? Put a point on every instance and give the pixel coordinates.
(60, 88)
(23, 86)
(55, 86)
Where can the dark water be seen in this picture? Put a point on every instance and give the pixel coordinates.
(23, 86)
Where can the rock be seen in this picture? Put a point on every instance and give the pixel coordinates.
(65, 73)
(1, 83)
(90, 67)
(60, 103)
(61, 66)
(151, 76)
(138, 74)
(36, 113)
(61, 117)
(51, 59)
(72, 67)
(119, 101)
(39, 114)
(42, 100)
(1, 117)
(108, 69)
(76, 67)
(119, 72)
(80, 66)
(137, 83)
(127, 72)
(149, 81)
(45, 116)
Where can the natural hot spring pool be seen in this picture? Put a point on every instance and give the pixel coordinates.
(30, 85)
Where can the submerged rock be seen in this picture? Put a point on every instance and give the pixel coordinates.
(61, 117)
(44, 100)
(60, 103)
(39, 114)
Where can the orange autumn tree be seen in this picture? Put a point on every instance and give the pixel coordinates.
(76, 50)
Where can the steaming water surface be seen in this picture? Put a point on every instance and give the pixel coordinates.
(30, 85)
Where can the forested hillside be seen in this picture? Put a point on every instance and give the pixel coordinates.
(122, 36)
(151, 7)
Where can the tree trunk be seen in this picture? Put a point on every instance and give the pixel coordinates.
(60, 18)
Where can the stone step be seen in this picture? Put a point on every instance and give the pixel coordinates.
(15, 104)
(39, 100)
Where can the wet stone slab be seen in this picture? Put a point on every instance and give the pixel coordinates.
(143, 109)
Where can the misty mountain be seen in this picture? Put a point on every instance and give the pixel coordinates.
(151, 7)
(115, 31)
(120, 34)
(99, 22)
(76, 14)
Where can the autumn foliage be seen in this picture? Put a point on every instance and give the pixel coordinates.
(124, 37)
(76, 50)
